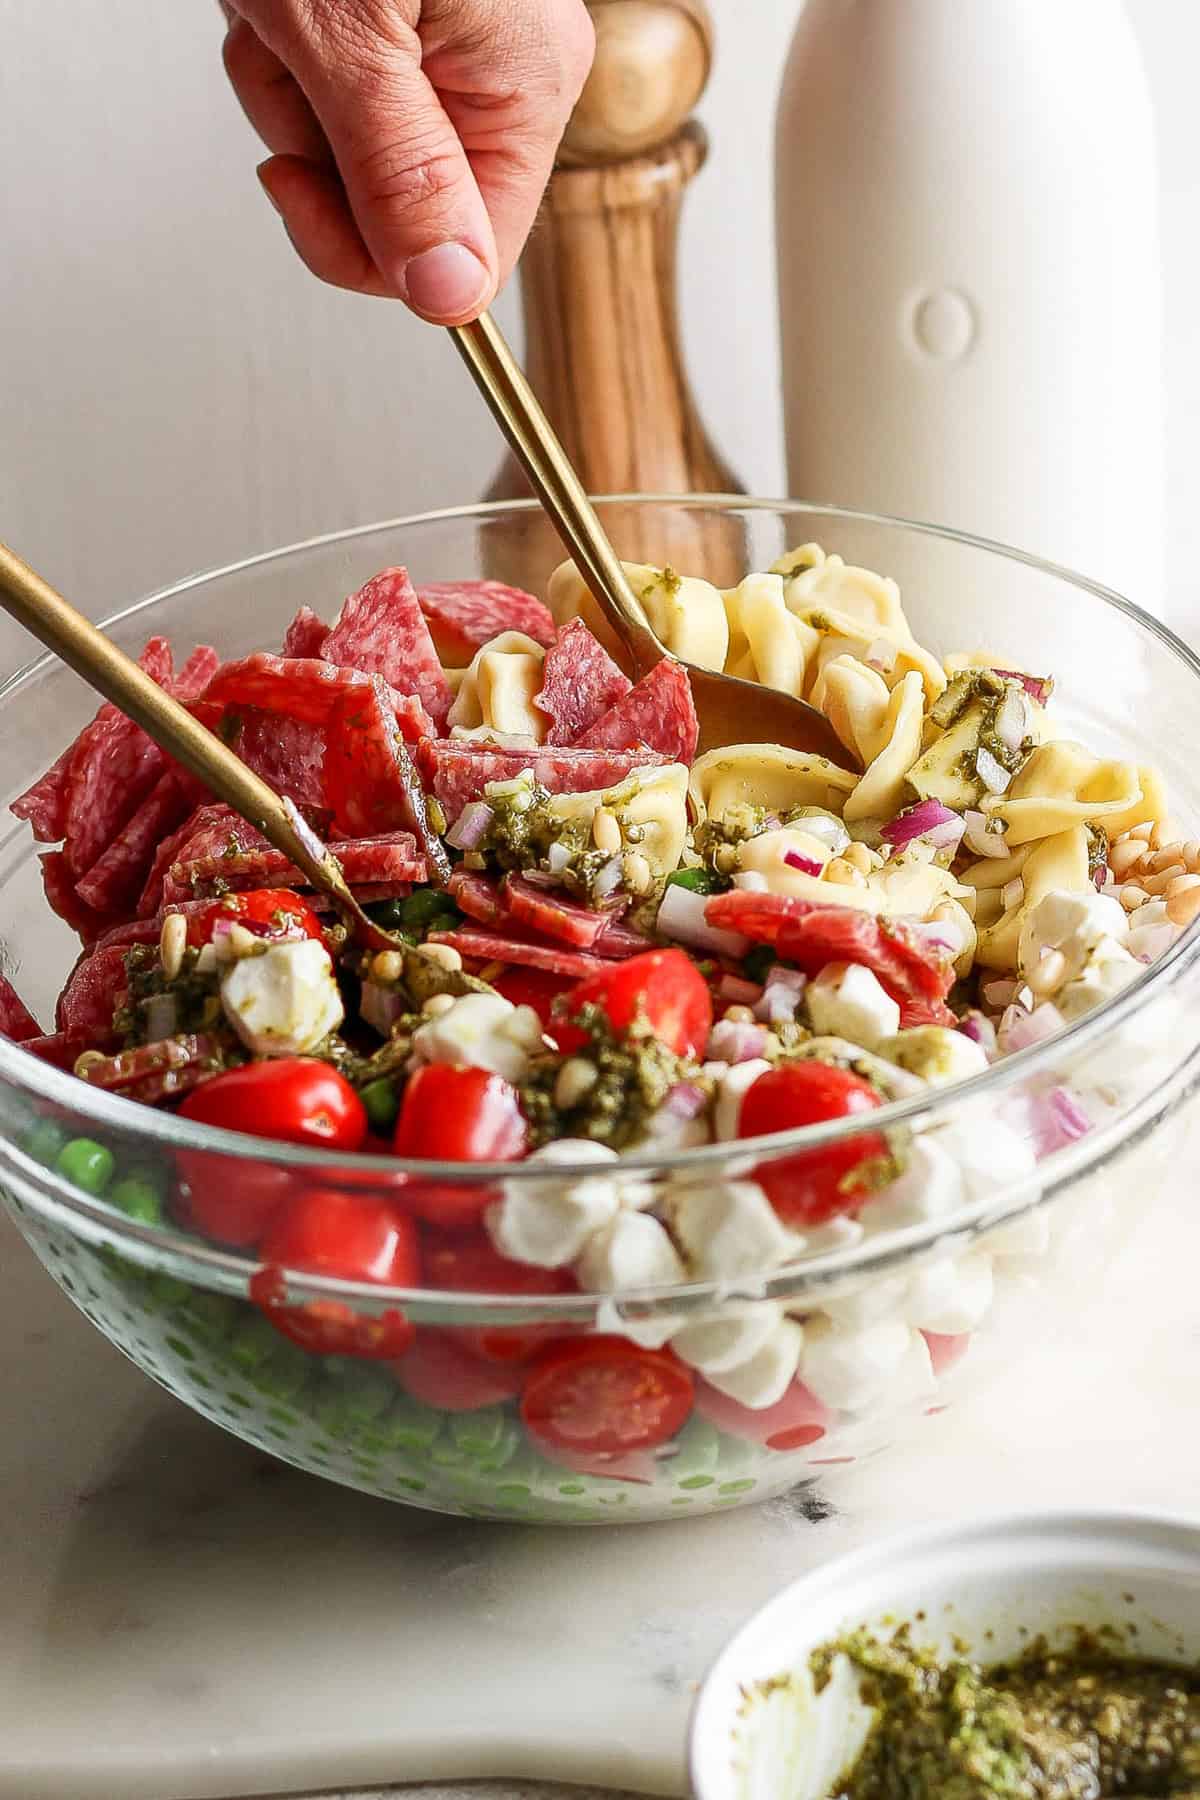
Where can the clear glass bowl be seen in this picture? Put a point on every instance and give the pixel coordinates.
(445, 1427)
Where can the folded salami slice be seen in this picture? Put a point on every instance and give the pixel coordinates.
(16, 1020)
(916, 974)
(476, 895)
(115, 881)
(464, 615)
(456, 773)
(112, 769)
(95, 988)
(44, 805)
(554, 914)
(59, 1048)
(169, 851)
(62, 898)
(306, 688)
(160, 1071)
(658, 714)
(195, 674)
(288, 753)
(618, 942)
(306, 634)
(580, 683)
(370, 782)
(380, 860)
(487, 946)
(382, 631)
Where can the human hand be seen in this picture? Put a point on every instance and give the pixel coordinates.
(411, 140)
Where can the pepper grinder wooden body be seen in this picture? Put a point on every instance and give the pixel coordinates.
(598, 286)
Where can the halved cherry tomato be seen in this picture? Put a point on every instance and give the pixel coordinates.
(605, 1396)
(817, 1184)
(439, 1372)
(796, 1420)
(356, 1237)
(472, 1265)
(456, 1114)
(298, 1099)
(538, 988)
(267, 912)
(295, 1099)
(662, 990)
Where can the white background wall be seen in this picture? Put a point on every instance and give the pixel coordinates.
(175, 390)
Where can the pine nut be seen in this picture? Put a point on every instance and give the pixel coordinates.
(1182, 884)
(1191, 854)
(859, 857)
(574, 1082)
(437, 1004)
(490, 971)
(636, 872)
(1122, 856)
(172, 944)
(1049, 973)
(1162, 859)
(1131, 897)
(445, 954)
(1143, 832)
(89, 1058)
(606, 833)
(739, 1015)
(1183, 908)
(388, 966)
(1156, 884)
(844, 874)
(1162, 834)
(242, 942)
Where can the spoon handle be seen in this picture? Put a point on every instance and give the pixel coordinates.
(517, 411)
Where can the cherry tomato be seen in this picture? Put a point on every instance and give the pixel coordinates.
(796, 1420)
(817, 1184)
(455, 1114)
(439, 1372)
(267, 912)
(232, 1203)
(605, 1396)
(329, 1327)
(472, 1265)
(538, 988)
(662, 990)
(297, 1099)
(354, 1236)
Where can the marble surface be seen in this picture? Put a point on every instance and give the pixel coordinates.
(186, 1619)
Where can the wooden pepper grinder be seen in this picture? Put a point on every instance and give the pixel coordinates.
(598, 288)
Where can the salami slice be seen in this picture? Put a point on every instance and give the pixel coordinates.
(93, 992)
(62, 898)
(580, 683)
(370, 782)
(44, 805)
(16, 1020)
(618, 942)
(196, 673)
(116, 880)
(306, 634)
(658, 714)
(391, 859)
(288, 753)
(382, 631)
(476, 895)
(456, 773)
(554, 915)
(464, 615)
(112, 769)
(161, 1071)
(486, 946)
(168, 852)
(59, 1048)
(914, 973)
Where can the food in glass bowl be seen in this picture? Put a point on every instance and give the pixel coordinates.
(627, 956)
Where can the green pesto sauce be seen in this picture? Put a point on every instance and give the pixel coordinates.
(525, 826)
(634, 1075)
(1082, 1724)
(197, 997)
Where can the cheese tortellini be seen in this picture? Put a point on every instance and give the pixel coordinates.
(766, 776)
(855, 700)
(1057, 864)
(686, 614)
(496, 692)
(881, 792)
(652, 801)
(767, 643)
(1062, 785)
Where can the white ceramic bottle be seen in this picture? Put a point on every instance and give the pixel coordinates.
(969, 270)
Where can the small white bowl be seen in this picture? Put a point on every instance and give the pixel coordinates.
(994, 1583)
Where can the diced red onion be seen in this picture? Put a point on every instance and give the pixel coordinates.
(808, 865)
(1057, 1119)
(162, 1017)
(978, 838)
(682, 916)
(1019, 1029)
(380, 1007)
(979, 1028)
(739, 992)
(781, 997)
(1099, 877)
(471, 826)
(999, 993)
(734, 1041)
(923, 820)
(685, 1100)
(943, 934)
(1038, 687)
(993, 775)
(1012, 720)
(1012, 893)
(609, 877)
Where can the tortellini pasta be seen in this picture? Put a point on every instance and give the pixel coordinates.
(686, 614)
(765, 775)
(496, 692)
(880, 793)
(1058, 864)
(653, 801)
(767, 643)
(855, 700)
(1062, 785)
(859, 614)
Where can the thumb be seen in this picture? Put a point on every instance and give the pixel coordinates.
(409, 184)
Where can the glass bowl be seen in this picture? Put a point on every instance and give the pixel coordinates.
(897, 1323)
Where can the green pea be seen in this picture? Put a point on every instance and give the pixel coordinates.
(86, 1164)
(427, 907)
(138, 1199)
(43, 1142)
(382, 1104)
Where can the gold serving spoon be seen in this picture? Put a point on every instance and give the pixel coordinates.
(730, 711)
(56, 623)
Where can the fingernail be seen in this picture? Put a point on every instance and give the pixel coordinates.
(446, 282)
(265, 187)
